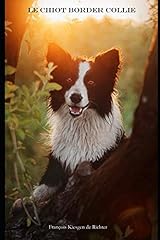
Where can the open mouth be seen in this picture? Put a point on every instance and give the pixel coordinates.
(76, 111)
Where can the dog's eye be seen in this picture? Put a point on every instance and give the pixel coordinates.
(69, 80)
(90, 82)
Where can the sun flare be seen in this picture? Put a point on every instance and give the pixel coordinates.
(55, 10)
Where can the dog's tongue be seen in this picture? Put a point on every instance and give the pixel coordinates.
(75, 110)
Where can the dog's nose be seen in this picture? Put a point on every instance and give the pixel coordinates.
(76, 97)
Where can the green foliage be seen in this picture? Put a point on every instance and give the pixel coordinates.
(25, 118)
(25, 108)
(9, 70)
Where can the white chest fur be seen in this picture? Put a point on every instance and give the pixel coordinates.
(85, 138)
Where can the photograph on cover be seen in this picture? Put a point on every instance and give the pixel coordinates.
(81, 119)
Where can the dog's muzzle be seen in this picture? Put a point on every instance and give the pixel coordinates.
(76, 111)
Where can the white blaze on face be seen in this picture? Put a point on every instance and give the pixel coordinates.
(79, 87)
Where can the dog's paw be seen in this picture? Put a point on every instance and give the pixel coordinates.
(43, 193)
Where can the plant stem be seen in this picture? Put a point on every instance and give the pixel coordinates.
(15, 148)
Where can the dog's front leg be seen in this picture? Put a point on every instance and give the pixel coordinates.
(53, 180)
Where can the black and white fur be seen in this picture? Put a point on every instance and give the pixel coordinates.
(84, 116)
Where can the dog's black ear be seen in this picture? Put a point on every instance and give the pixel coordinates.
(57, 55)
(107, 64)
(109, 60)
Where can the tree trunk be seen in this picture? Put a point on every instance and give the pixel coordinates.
(16, 12)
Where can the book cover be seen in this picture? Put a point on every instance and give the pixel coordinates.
(81, 119)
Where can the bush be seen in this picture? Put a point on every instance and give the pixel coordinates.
(25, 118)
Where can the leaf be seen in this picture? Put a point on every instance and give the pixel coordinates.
(15, 193)
(33, 161)
(27, 176)
(7, 23)
(26, 91)
(36, 86)
(28, 222)
(9, 29)
(9, 70)
(118, 231)
(13, 109)
(13, 121)
(51, 67)
(53, 86)
(37, 114)
(41, 77)
(50, 64)
(26, 122)
(9, 95)
(21, 134)
(13, 101)
(128, 231)
(10, 87)
(42, 94)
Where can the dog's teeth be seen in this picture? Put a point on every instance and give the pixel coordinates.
(75, 110)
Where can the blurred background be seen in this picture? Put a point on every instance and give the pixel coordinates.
(26, 121)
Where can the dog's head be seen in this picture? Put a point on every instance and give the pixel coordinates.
(85, 83)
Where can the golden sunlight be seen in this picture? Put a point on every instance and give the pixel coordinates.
(56, 10)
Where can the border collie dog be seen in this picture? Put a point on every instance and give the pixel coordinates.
(85, 119)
